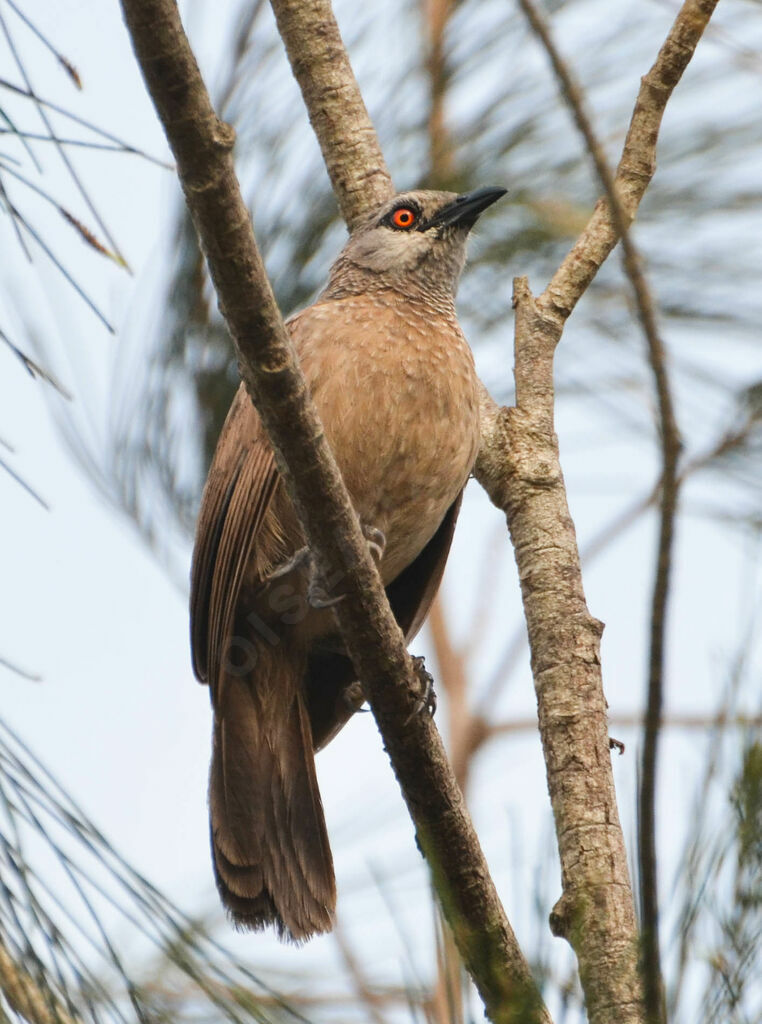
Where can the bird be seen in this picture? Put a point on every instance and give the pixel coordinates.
(393, 380)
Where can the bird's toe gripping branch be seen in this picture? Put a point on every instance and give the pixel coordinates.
(354, 697)
(427, 701)
(300, 557)
(376, 540)
(317, 594)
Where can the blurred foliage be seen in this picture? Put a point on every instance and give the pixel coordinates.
(28, 123)
(72, 912)
(735, 964)
(721, 920)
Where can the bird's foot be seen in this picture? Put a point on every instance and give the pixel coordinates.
(296, 561)
(317, 595)
(428, 699)
(376, 540)
(616, 745)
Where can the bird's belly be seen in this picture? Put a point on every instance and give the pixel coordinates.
(406, 449)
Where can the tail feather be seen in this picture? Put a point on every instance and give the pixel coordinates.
(271, 856)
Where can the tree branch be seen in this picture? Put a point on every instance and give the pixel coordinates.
(519, 467)
(668, 490)
(202, 147)
(335, 105)
(636, 166)
(672, 721)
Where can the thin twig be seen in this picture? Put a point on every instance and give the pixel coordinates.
(100, 147)
(83, 232)
(673, 721)
(22, 483)
(13, 130)
(452, 674)
(33, 677)
(437, 14)
(61, 151)
(23, 222)
(370, 1000)
(6, 202)
(34, 369)
(65, 63)
(49, 105)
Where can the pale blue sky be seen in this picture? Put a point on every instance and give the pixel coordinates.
(118, 716)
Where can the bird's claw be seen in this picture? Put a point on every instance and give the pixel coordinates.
(296, 561)
(428, 700)
(376, 540)
(353, 697)
(317, 596)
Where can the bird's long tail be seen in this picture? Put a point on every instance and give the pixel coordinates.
(270, 849)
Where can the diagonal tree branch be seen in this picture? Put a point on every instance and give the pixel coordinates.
(202, 146)
(637, 164)
(519, 467)
(321, 66)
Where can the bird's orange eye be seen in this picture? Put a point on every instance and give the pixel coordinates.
(403, 218)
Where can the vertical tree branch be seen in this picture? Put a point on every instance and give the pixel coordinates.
(335, 105)
(670, 451)
(518, 466)
(436, 15)
(202, 146)
(595, 912)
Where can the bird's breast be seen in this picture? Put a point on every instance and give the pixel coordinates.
(397, 394)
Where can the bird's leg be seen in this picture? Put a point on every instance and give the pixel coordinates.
(428, 700)
(316, 591)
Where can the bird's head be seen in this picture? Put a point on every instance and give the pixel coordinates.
(413, 243)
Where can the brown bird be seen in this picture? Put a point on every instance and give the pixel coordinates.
(393, 380)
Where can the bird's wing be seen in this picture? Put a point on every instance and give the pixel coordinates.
(411, 593)
(237, 496)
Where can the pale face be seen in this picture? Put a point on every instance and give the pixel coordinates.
(397, 242)
(414, 242)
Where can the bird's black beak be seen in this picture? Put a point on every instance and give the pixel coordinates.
(465, 210)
